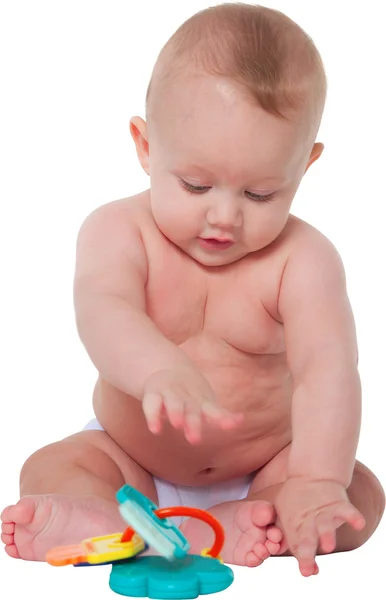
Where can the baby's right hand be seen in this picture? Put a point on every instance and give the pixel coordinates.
(185, 397)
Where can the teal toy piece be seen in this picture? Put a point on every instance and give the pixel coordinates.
(174, 574)
(161, 534)
(156, 577)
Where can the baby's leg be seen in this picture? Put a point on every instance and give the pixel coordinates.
(248, 522)
(68, 494)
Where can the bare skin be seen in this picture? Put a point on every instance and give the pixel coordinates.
(123, 418)
(41, 519)
(215, 335)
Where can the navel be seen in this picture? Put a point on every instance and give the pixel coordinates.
(206, 471)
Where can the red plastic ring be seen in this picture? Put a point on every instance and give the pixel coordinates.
(202, 515)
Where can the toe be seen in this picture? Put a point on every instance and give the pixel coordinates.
(261, 551)
(252, 560)
(272, 548)
(274, 534)
(12, 551)
(245, 545)
(8, 528)
(7, 539)
(21, 513)
(263, 513)
(5, 515)
(251, 516)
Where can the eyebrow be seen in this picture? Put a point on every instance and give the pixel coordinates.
(196, 167)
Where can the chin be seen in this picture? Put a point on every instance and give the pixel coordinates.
(216, 260)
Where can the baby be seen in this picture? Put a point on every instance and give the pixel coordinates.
(218, 322)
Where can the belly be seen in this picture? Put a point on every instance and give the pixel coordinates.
(262, 394)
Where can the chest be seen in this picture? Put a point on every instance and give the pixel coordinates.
(187, 301)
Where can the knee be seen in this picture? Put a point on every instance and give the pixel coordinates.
(49, 456)
(379, 498)
(34, 468)
(46, 467)
(376, 495)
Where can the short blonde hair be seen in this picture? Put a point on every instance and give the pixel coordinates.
(262, 49)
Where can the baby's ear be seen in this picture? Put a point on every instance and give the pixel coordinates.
(315, 153)
(138, 130)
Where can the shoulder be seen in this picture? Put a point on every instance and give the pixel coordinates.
(111, 236)
(307, 248)
(298, 256)
(313, 273)
(119, 215)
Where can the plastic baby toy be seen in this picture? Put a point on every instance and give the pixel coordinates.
(174, 574)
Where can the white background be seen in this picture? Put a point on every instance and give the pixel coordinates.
(72, 75)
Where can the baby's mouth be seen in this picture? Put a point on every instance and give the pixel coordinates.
(215, 243)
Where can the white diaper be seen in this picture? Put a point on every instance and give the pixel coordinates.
(202, 497)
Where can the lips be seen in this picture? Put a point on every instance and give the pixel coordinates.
(215, 243)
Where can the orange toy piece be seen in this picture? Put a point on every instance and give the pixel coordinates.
(66, 555)
(98, 550)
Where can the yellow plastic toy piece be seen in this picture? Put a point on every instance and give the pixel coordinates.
(205, 553)
(97, 550)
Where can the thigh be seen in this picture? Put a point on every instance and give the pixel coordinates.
(97, 454)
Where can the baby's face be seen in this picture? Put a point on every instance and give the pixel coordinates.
(223, 171)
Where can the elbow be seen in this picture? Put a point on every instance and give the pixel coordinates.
(84, 308)
(328, 368)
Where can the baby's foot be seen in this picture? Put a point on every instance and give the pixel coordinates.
(37, 524)
(250, 533)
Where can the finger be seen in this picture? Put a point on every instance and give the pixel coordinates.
(326, 528)
(192, 424)
(217, 415)
(174, 409)
(327, 542)
(305, 547)
(212, 411)
(231, 420)
(308, 566)
(152, 408)
(350, 515)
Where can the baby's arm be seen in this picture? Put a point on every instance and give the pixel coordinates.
(326, 404)
(109, 294)
(322, 356)
(126, 347)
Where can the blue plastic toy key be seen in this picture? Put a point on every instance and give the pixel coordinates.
(138, 511)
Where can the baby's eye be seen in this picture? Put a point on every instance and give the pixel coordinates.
(194, 189)
(201, 189)
(259, 197)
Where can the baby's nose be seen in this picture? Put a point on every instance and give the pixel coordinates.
(225, 214)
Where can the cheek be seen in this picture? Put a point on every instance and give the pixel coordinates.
(175, 212)
(264, 223)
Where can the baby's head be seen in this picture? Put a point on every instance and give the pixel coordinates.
(233, 109)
